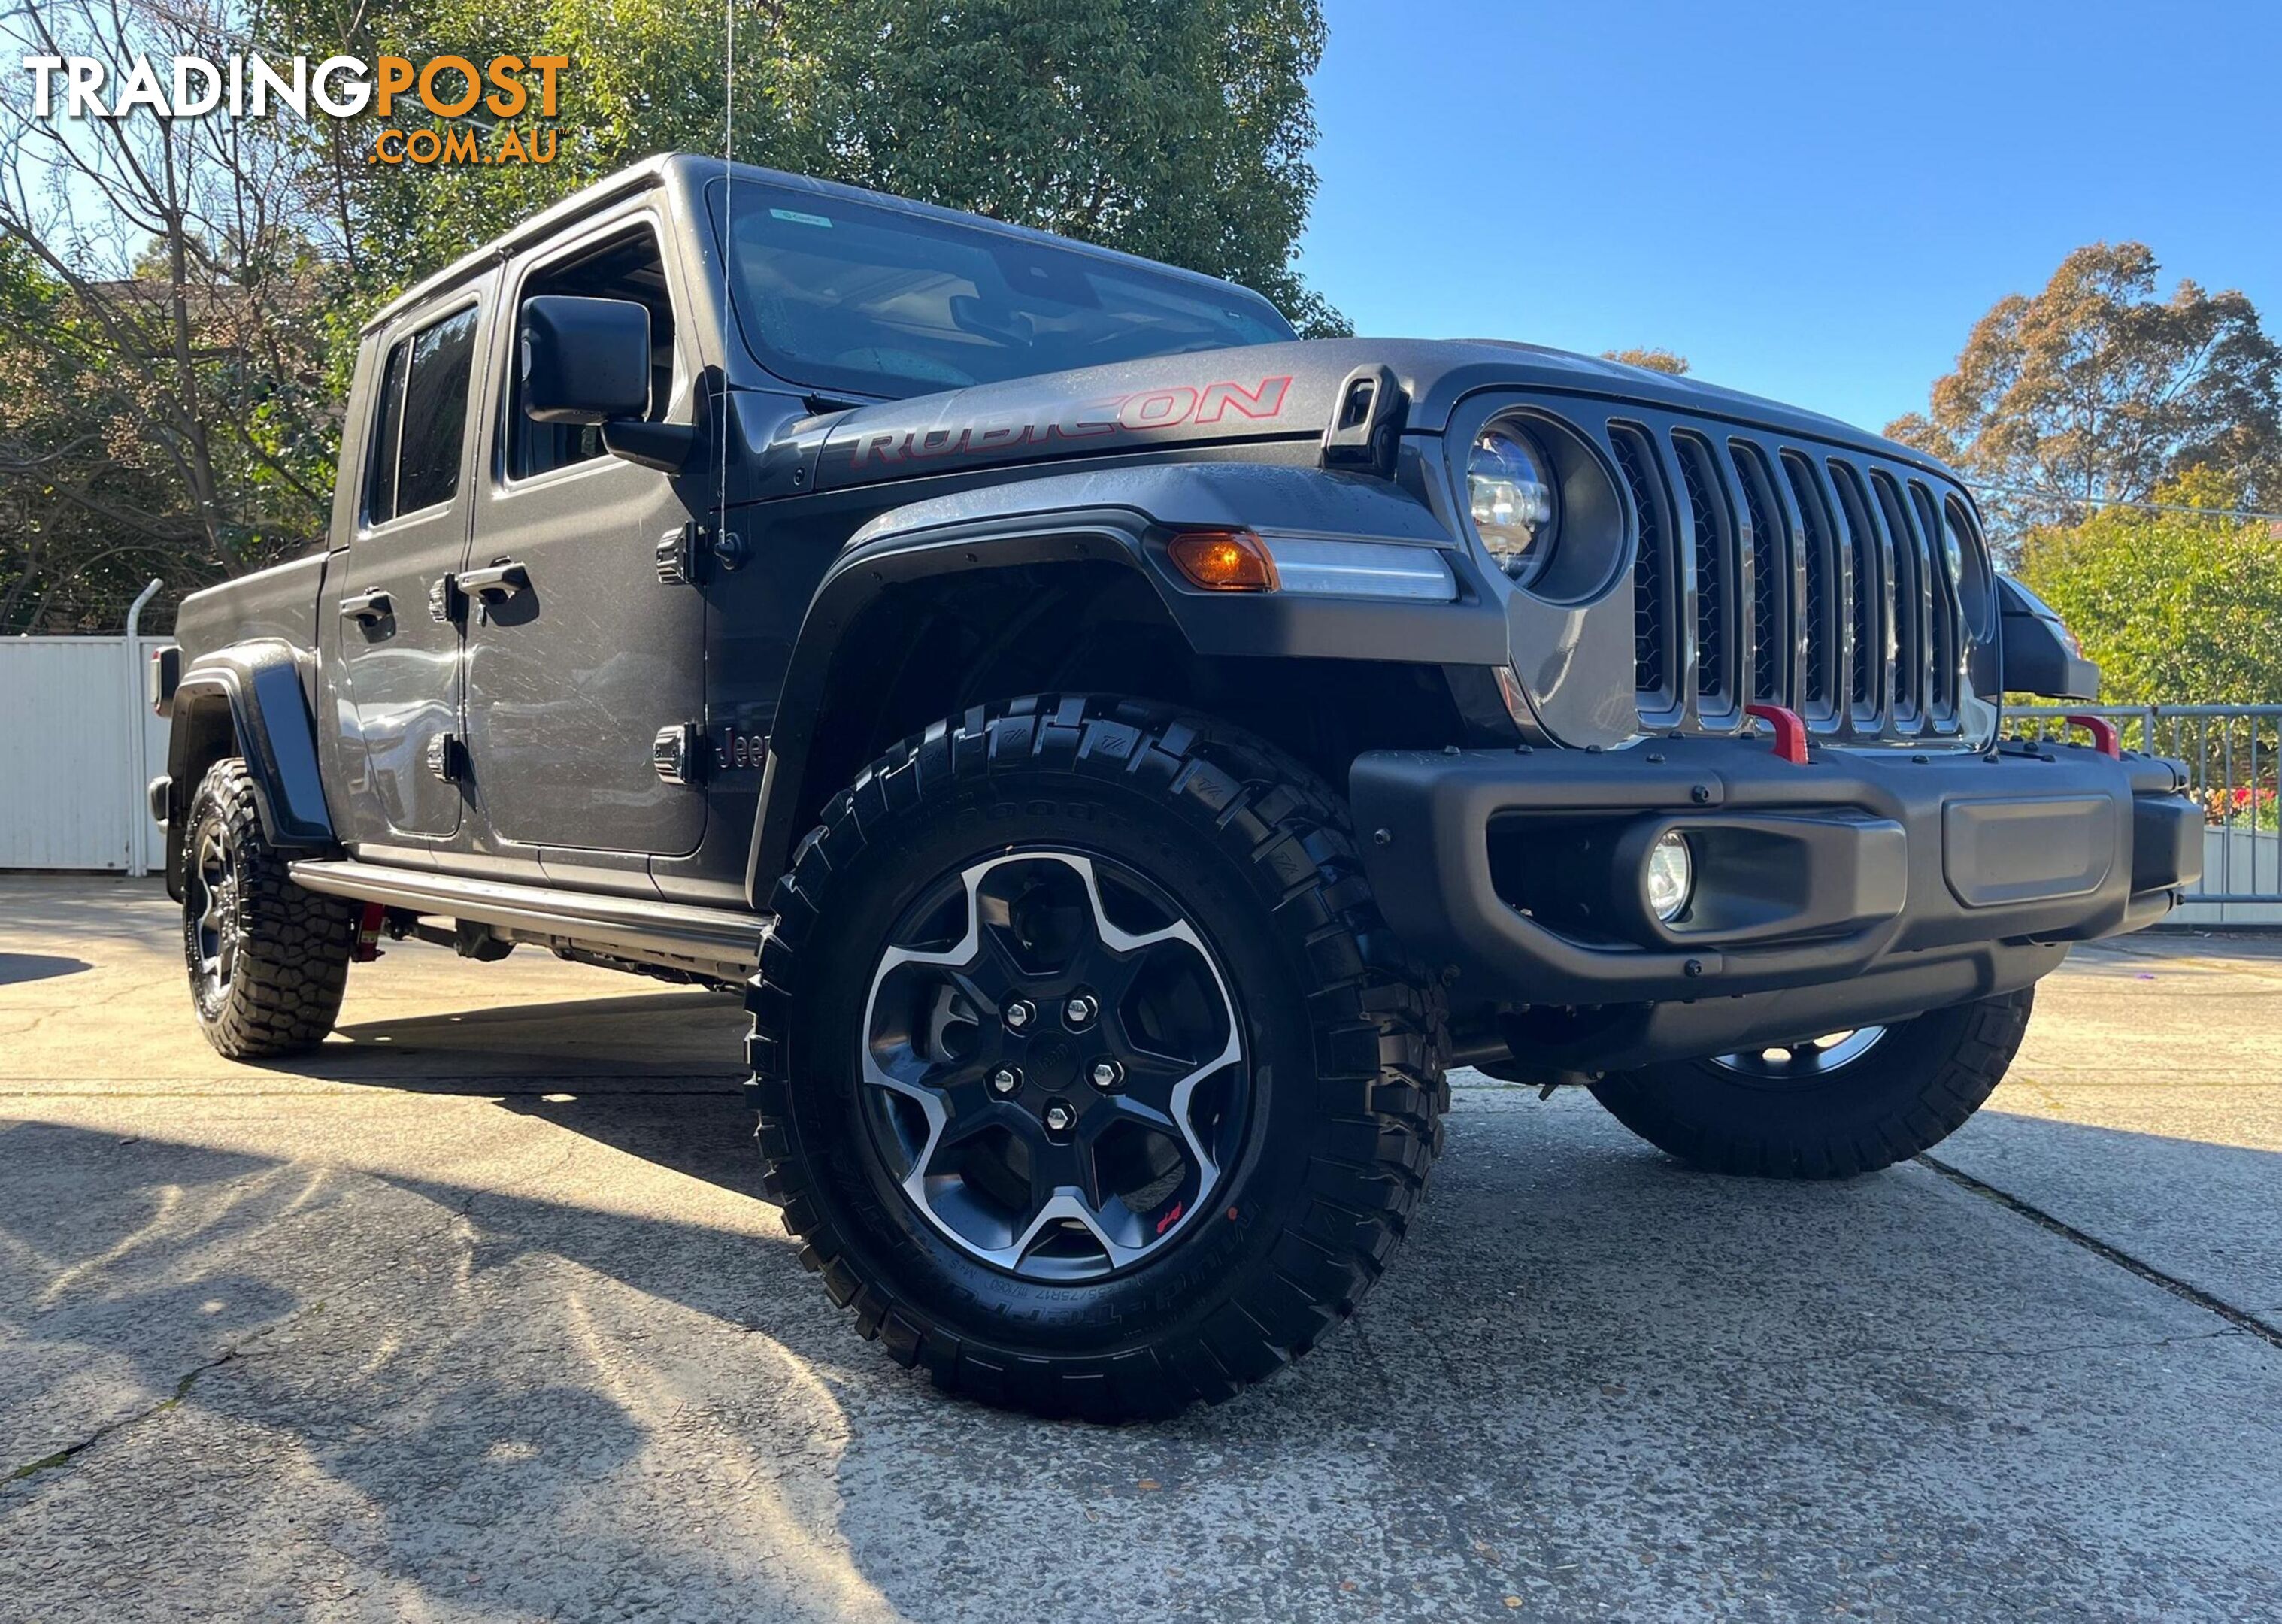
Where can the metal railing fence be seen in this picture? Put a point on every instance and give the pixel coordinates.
(2231, 753)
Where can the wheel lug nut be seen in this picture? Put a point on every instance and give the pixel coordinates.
(1079, 1010)
(1021, 1012)
(1107, 1074)
(1061, 1118)
(1005, 1080)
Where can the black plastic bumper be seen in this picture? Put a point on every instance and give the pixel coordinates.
(1863, 886)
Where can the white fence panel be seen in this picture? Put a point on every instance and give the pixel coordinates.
(70, 797)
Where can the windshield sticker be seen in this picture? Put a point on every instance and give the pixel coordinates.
(797, 218)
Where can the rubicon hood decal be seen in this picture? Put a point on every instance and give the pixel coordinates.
(1172, 407)
(1171, 400)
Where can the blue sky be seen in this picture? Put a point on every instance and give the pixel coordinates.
(1809, 201)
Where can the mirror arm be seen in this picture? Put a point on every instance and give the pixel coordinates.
(665, 446)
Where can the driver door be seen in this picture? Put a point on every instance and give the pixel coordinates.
(572, 674)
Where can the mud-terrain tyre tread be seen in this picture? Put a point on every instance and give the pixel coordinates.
(286, 985)
(1918, 1086)
(1377, 1026)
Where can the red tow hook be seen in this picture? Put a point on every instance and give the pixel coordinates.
(2104, 737)
(1791, 730)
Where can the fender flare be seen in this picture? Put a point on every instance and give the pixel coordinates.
(260, 683)
(1124, 517)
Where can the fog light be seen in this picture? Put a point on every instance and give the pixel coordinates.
(1671, 875)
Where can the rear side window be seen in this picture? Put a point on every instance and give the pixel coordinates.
(419, 419)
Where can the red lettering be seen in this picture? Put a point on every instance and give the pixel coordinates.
(1157, 409)
(996, 436)
(1083, 419)
(1266, 401)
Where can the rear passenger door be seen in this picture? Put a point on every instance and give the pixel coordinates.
(572, 678)
(398, 657)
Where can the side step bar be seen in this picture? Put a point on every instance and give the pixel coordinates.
(726, 941)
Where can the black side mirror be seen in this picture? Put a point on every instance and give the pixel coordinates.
(587, 360)
(583, 360)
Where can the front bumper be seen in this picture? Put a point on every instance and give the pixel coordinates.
(1862, 887)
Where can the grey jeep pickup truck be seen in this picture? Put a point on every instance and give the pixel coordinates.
(1125, 754)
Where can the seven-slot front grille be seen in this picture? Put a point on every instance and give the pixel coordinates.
(1788, 574)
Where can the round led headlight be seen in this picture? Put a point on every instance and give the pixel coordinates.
(1511, 498)
(1671, 875)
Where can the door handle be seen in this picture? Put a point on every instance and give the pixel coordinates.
(501, 580)
(367, 608)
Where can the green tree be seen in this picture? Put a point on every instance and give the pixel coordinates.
(1177, 131)
(2177, 608)
(2096, 390)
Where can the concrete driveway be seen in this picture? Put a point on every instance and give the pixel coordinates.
(480, 1316)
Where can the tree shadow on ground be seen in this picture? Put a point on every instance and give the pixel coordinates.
(1591, 1379)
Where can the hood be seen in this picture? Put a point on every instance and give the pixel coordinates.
(1267, 392)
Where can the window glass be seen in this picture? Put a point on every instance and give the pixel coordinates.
(419, 419)
(630, 267)
(387, 432)
(878, 300)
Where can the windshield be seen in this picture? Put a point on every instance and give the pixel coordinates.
(839, 295)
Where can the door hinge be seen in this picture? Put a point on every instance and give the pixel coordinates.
(678, 556)
(682, 754)
(447, 759)
(447, 605)
(684, 556)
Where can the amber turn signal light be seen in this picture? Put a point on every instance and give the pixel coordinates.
(1225, 561)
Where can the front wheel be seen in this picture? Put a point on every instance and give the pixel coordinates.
(268, 960)
(1828, 1107)
(1087, 1074)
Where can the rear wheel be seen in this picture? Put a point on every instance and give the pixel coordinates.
(1827, 1107)
(268, 960)
(1087, 1074)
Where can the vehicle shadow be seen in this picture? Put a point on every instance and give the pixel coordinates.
(1592, 1379)
(19, 967)
(658, 1074)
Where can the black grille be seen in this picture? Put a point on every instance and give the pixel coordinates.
(1814, 553)
(1816, 581)
(1867, 587)
(1907, 551)
(1711, 585)
(1652, 671)
(1771, 579)
(1948, 653)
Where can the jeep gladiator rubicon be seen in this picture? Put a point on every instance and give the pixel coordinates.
(1127, 754)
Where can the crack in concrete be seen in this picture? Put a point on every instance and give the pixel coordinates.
(455, 1214)
(65, 1456)
(2242, 1321)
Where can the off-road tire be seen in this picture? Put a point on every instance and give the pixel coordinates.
(291, 962)
(1352, 1034)
(1909, 1092)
